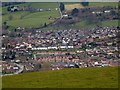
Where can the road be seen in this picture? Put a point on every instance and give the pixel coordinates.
(17, 72)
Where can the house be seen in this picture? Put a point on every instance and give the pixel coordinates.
(14, 8)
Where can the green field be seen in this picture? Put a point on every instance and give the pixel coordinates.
(103, 4)
(105, 77)
(96, 3)
(31, 19)
(37, 19)
(84, 24)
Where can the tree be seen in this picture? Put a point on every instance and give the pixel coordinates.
(62, 7)
(8, 9)
(45, 25)
(4, 23)
(92, 19)
(5, 26)
(113, 12)
(74, 12)
(85, 3)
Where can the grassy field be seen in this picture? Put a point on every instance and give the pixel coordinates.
(72, 5)
(83, 24)
(37, 19)
(0, 81)
(108, 23)
(105, 77)
(103, 4)
(31, 19)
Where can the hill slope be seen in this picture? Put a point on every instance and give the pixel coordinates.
(31, 19)
(106, 77)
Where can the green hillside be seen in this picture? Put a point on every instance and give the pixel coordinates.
(37, 19)
(105, 77)
(31, 19)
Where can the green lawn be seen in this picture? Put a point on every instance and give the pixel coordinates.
(104, 77)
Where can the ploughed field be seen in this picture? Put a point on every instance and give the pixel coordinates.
(98, 77)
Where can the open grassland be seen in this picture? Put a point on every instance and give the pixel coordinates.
(100, 77)
(106, 23)
(84, 24)
(31, 19)
(27, 19)
(42, 5)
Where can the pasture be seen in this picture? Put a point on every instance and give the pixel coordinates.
(31, 19)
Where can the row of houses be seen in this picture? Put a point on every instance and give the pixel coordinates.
(48, 48)
(26, 8)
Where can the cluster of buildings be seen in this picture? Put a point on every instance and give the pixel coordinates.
(75, 60)
(65, 39)
(28, 8)
(31, 49)
(87, 48)
(9, 68)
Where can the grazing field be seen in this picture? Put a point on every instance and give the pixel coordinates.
(31, 19)
(84, 24)
(107, 23)
(100, 77)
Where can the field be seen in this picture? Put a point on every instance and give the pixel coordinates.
(84, 24)
(105, 77)
(0, 82)
(37, 19)
(72, 6)
(101, 4)
(31, 19)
